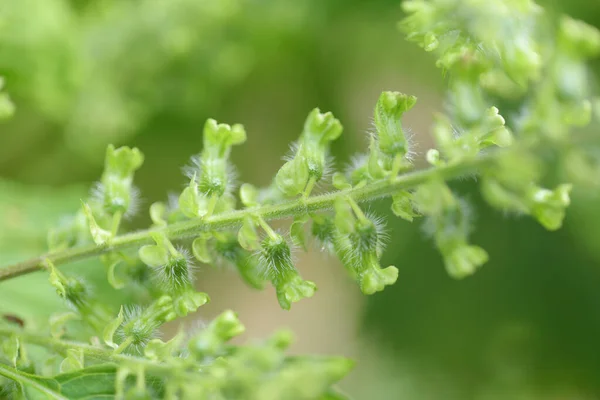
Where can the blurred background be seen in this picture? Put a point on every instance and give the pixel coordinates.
(148, 73)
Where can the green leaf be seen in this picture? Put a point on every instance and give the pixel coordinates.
(158, 212)
(297, 231)
(111, 276)
(56, 279)
(200, 250)
(154, 256)
(101, 236)
(73, 361)
(292, 177)
(340, 182)
(248, 236)
(159, 254)
(91, 383)
(249, 195)
(34, 387)
(111, 328)
(10, 348)
(191, 203)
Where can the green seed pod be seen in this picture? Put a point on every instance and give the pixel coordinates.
(211, 339)
(276, 259)
(141, 325)
(115, 191)
(548, 206)
(362, 256)
(389, 109)
(172, 267)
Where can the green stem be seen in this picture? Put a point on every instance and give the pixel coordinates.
(359, 213)
(267, 228)
(61, 346)
(194, 227)
(309, 187)
(124, 345)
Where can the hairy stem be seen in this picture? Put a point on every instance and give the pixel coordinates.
(191, 228)
(107, 355)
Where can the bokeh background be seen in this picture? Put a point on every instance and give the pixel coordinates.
(148, 73)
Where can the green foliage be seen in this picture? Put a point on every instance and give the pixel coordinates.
(493, 52)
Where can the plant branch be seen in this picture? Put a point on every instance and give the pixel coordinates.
(61, 346)
(180, 230)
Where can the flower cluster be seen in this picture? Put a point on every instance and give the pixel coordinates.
(539, 75)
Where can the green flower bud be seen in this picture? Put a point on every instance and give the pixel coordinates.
(140, 326)
(375, 279)
(324, 230)
(158, 350)
(321, 127)
(171, 267)
(430, 42)
(215, 176)
(277, 260)
(402, 206)
(388, 121)
(463, 260)
(549, 205)
(493, 130)
(433, 157)
(122, 162)
(211, 339)
(362, 257)
(73, 290)
(189, 301)
(579, 38)
(219, 138)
